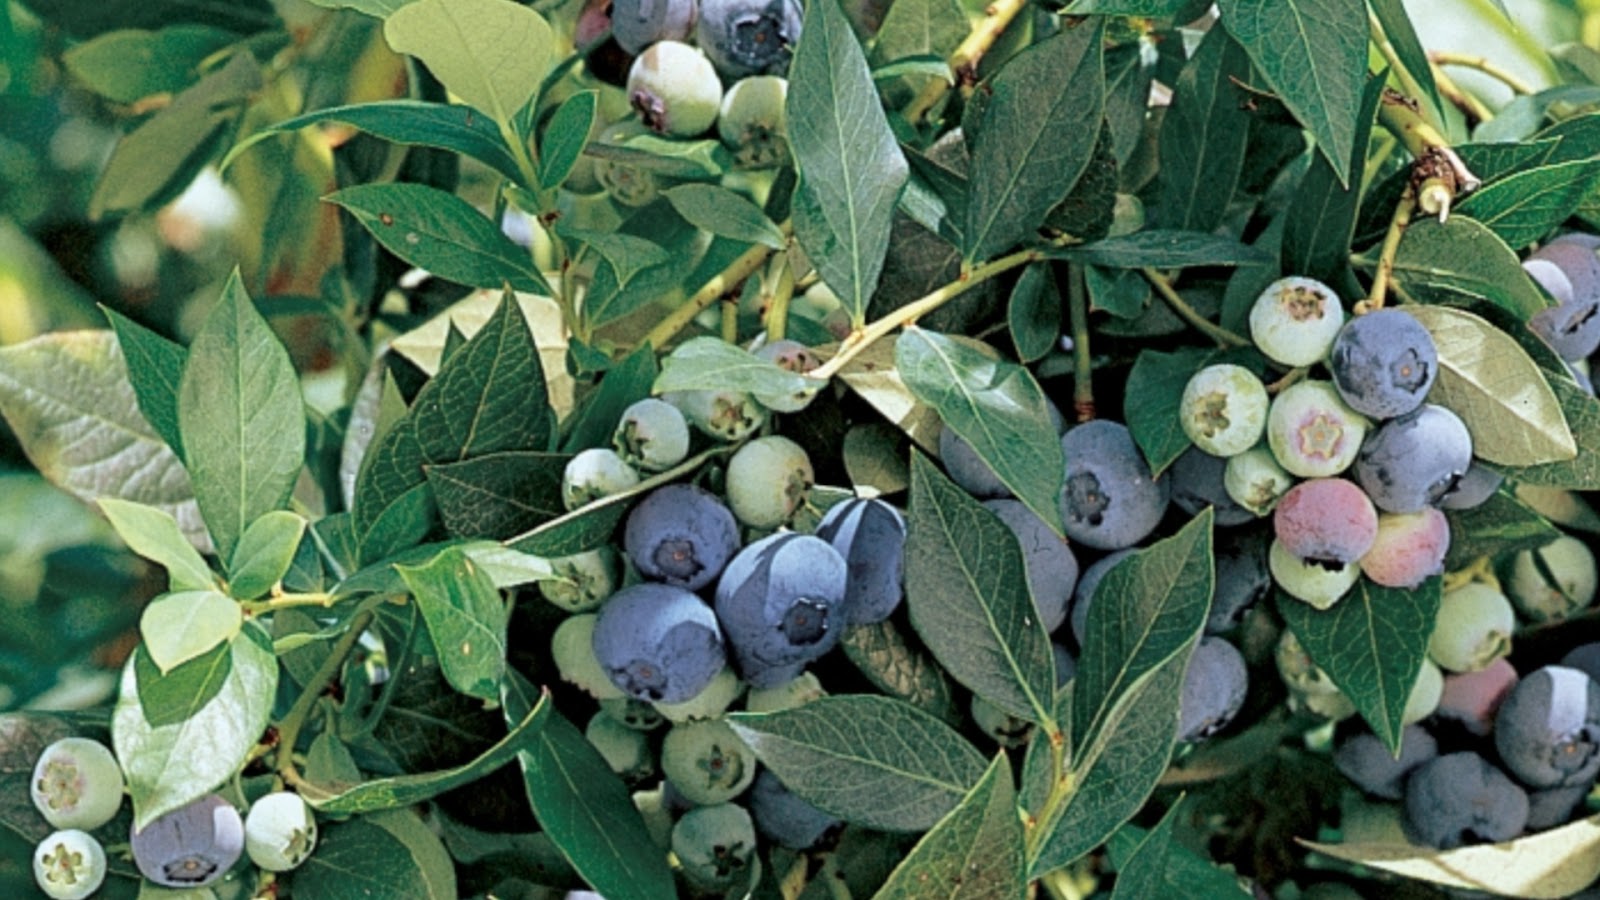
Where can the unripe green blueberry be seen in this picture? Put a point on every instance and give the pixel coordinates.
(652, 434)
(1295, 320)
(675, 89)
(639, 715)
(1554, 581)
(1472, 629)
(1006, 729)
(1318, 582)
(791, 356)
(69, 865)
(706, 761)
(751, 122)
(1425, 694)
(798, 691)
(1255, 481)
(590, 577)
(626, 750)
(279, 831)
(767, 481)
(721, 415)
(572, 648)
(712, 701)
(1224, 409)
(626, 183)
(1312, 432)
(77, 784)
(1310, 688)
(714, 845)
(595, 473)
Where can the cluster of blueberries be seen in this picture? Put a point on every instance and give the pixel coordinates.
(77, 787)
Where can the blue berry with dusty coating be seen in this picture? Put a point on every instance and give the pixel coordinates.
(1415, 460)
(1460, 798)
(682, 535)
(779, 603)
(1109, 500)
(784, 818)
(749, 37)
(1052, 570)
(1548, 728)
(1367, 762)
(1384, 363)
(658, 642)
(1214, 688)
(871, 536)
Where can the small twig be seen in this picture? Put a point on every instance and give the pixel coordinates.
(1165, 291)
(1474, 109)
(775, 312)
(723, 282)
(1391, 246)
(964, 61)
(289, 728)
(1290, 377)
(287, 601)
(1407, 78)
(1434, 158)
(1082, 364)
(1486, 66)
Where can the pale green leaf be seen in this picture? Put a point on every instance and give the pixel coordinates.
(264, 553)
(974, 853)
(154, 534)
(492, 54)
(180, 626)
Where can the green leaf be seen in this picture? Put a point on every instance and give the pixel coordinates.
(67, 398)
(1128, 7)
(1034, 313)
(724, 213)
(1402, 35)
(967, 591)
(1037, 132)
(130, 64)
(1464, 259)
(442, 233)
(851, 168)
(157, 160)
(1498, 391)
(1500, 525)
(87, 18)
(493, 54)
(378, 9)
(1155, 393)
(499, 495)
(167, 699)
(622, 385)
(1372, 644)
(1165, 250)
(1158, 866)
(180, 626)
(172, 765)
(1524, 207)
(1313, 53)
(265, 552)
(1582, 472)
(669, 157)
(872, 761)
(584, 808)
(627, 254)
(154, 534)
(973, 853)
(243, 420)
(893, 665)
(1203, 136)
(155, 367)
(404, 790)
(446, 126)
(1124, 293)
(466, 619)
(708, 363)
(391, 855)
(996, 407)
(1320, 223)
(920, 28)
(564, 138)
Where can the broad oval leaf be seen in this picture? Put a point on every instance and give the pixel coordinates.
(1204, 136)
(172, 765)
(1166, 249)
(1544, 866)
(1499, 392)
(584, 808)
(708, 363)
(493, 54)
(1320, 223)
(170, 698)
(993, 405)
(180, 626)
(1582, 472)
(1036, 133)
(870, 760)
(974, 853)
(725, 213)
(154, 534)
(564, 138)
(1314, 55)
(391, 855)
(67, 397)
(499, 495)
(1463, 259)
(1153, 399)
(1033, 313)
(1524, 207)
(851, 168)
(466, 619)
(1372, 644)
(265, 553)
(968, 595)
(440, 232)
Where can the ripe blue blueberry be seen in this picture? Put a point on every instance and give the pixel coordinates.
(595, 473)
(1383, 363)
(675, 89)
(1224, 409)
(715, 845)
(1366, 760)
(1415, 460)
(652, 434)
(768, 479)
(871, 536)
(1214, 687)
(749, 37)
(636, 24)
(784, 818)
(279, 831)
(1242, 578)
(779, 603)
(77, 784)
(69, 865)
(682, 535)
(706, 761)
(1585, 658)
(1109, 500)
(192, 846)
(1459, 798)
(1548, 728)
(1572, 327)
(1199, 480)
(1051, 569)
(658, 642)
(1312, 431)
(1472, 489)
(1554, 806)
(1295, 319)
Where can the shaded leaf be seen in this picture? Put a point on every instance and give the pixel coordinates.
(725, 213)
(564, 138)
(466, 619)
(155, 367)
(1203, 136)
(264, 554)
(1157, 866)
(1582, 472)
(872, 761)
(622, 385)
(1165, 250)
(166, 699)
(1464, 259)
(1500, 525)
(1321, 221)
(1034, 312)
(390, 854)
(888, 660)
(499, 495)
(1524, 207)
(974, 852)
(1154, 396)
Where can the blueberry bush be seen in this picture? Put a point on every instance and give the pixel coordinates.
(799, 449)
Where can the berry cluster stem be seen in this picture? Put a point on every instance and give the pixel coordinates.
(727, 280)
(1082, 361)
(1486, 66)
(1391, 248)
(1407, 78)
(997, 16)
(1167, 292)
(289, 728)
(1434, 158)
